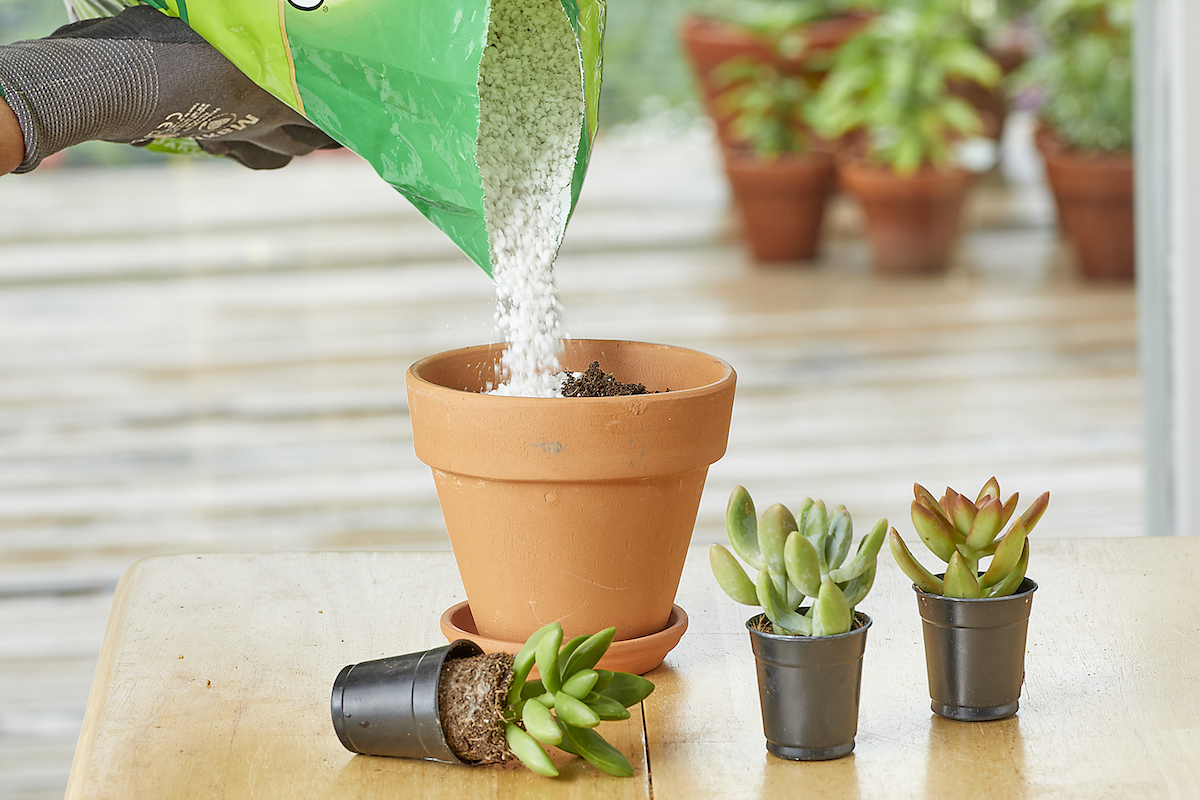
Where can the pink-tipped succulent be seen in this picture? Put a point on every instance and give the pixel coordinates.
(961, 532)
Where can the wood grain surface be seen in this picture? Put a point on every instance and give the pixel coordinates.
(215, 674)
(202, 358)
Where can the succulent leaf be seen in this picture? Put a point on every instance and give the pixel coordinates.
(741, 525)
(1010, 582)
(803, 566)
(581, 683)
(785, 620)
(857, 588)
(627, 689)
(547, 659)
(816, 522)
(530, 690)
(574, 711)
(868, 551)
(524, 660)
(777, 522)
(606, 708)
(564, 655)
(528, 751)
(794, 596)
(1035, 511)
(597, 752)
(839, 537)
(960, 580)
(963, 514)
(947, 504)
(1006, 512)
(1008, 553)
(588, 654)
(990, 489)
(730, 576)
(603, 681)
(539, 723)
(930, 528)
(986, 525)
(925, 497)
(831, 614)
(970, 557)
(802, 515)
(925, 580)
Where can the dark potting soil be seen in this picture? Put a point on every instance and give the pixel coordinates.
(595, 382)
(471, 699)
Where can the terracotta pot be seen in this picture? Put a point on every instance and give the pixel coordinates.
(709, 42)
(781, 202)
(913, 223)
(1094, 197)
(578, 510)
(1045, 140)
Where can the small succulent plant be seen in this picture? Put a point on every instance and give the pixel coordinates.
(563, 707)
(797, 557)
(961, 533)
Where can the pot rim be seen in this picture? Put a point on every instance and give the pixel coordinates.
(864, 621)
(1030, 590)
(860, 170)
(414, 375)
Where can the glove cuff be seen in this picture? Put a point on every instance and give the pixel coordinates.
(46, 82)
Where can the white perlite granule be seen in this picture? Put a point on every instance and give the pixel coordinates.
(531, 110)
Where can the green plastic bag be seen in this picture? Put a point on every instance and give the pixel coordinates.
(393, 80)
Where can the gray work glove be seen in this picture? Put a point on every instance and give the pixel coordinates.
(140, 76)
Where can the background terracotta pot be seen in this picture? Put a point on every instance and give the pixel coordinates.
(913, 223)
(578, 510)
(1094, 197)
(781, 202)
(709, 42)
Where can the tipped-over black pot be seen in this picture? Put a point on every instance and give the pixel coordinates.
(389, 707)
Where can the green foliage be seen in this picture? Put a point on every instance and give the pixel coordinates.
(765, 103)
(797, 558)
(892, 82)
(989, 15)
(774, 15)
(1085, 72)
(571, 697)
(961, 532)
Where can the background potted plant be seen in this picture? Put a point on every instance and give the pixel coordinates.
(720, 31)
(809, 659)
(974, 621)
(890, 85)
(1003, 29)
(779, 174)
(458, 705)
(1084, 74)
(572, 509)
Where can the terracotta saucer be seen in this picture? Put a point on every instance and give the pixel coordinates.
(628, 655)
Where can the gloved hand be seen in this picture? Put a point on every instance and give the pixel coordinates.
(140, 76)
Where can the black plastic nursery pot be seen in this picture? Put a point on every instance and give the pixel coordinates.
(389, 707)
(975, 652)
(809, 689)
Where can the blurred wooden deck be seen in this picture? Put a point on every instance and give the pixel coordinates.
(201, 358)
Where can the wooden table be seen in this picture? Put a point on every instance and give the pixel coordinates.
(215, 675)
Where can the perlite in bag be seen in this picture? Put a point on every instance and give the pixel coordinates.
(481, 114)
